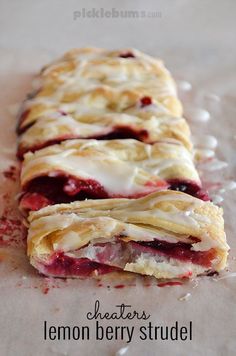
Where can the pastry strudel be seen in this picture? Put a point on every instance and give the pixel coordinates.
(99, 80)
(165, 234)
(108, 125)
(79, 169)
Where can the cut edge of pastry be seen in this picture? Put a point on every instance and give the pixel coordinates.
(69, 234)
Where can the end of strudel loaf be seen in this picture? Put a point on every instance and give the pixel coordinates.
(165, 235)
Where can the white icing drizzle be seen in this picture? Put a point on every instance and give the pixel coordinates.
(204, 147)
(157, 109)
(205, 141)
(203, 154)
(217, 199)
(87, 89)
(145, 208)
(45, 129)
(48, 130)
(89, 70)
(215, 165)
(196, 114)
(184, 85)
(116, 176)
(213, 97)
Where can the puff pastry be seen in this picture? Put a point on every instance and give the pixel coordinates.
(142, 125)
(79, 169)
(101, 80)
(165, 235)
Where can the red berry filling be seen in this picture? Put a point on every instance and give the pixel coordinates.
(188, 187)
(65, 266)
(180, 251)
(45, 190)
(34, 201)
(127, 55)
(145, 101)
(110, 257)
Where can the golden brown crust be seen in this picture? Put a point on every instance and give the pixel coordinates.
(144, 125)
(103, 80)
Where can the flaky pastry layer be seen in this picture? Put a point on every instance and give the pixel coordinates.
(113, 168)
(83, 230)
(104, 81)
(147, 127)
